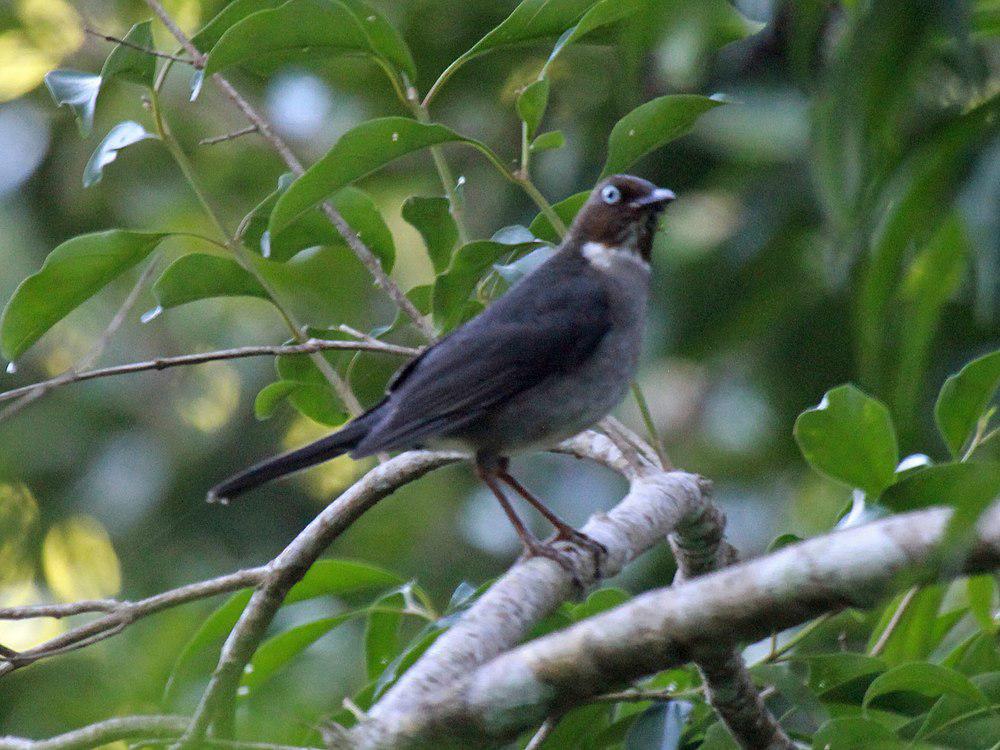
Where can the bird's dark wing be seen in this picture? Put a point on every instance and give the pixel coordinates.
(541, 328)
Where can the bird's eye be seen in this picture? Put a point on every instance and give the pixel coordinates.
(610, 194)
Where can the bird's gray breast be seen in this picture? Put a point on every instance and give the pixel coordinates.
(559, 407)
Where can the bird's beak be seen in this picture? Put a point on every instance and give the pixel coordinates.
(658, 198)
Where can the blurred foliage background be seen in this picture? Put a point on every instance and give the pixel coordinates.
(804, 251)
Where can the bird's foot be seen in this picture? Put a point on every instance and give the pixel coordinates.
(597, 550)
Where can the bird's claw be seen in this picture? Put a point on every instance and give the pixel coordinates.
(563, 557)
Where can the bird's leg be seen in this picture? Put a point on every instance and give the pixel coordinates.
(563, 529)
(533, 547)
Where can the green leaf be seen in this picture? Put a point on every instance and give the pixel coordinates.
(129, 64)
(929, 282)
(600, 14)
(310, 29)
(531, 21)
(547, 142)
(382, 631)
(121, 135)
(597, 602)
(850, 733)
(783, 540)
(72, 273)
(849, 437)
(405, 660)
(432, 218)
(980, 590)
(964, 399)
(969, 488)
(828, 672)
(299, 29)
(913, 637)
(918, 199)
(278, 651)
(234, 12)
(78, 91)
(468, 264)
(359, 152)
(313, 228)
(196, 656)
(199, 276)
(383, 38)
(651, 125)
(927, 679)
(514, 272)
(565, 209)
(270, 397)
(319, 403)
(531, 104)
(324, 578)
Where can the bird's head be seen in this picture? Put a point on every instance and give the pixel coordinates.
(621, 214)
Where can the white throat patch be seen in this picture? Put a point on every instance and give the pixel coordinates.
(604, 257)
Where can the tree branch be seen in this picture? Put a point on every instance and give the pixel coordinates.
(118, 615)
(130, 45)
(854, 567)
(502, 617)
(700, 547)
(163, 363)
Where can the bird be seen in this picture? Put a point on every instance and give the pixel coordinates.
(546, 360)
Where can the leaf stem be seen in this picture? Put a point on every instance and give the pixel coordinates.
(647, 419)
(801, 635)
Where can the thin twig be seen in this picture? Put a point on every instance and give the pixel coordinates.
(138, 47)
(228, 136)
(34, 392)
(547, 728)
(897, 617)
(124, 614)
(163, 363)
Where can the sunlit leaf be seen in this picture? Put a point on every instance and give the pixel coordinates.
(121, 135)
(79, 560)
(359, 152)
(531, 104)
(964, 398)
(651, 125)
(78, 91)
(849, 437)
(599, 601)
(431, 216)
(18, 518)
(72, 273)
(129, 64)
(924, 678)
(981, 590)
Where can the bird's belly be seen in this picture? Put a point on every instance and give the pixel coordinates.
(559, 407)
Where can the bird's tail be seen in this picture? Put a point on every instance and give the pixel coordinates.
(287, 463)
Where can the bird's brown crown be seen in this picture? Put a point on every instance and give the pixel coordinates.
(623, 211)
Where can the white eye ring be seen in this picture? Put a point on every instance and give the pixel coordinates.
(610, 194)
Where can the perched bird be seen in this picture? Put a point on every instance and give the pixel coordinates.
(549, 358)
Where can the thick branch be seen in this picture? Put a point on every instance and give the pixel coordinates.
(501, 618)
(700, 547)
(855, 567)
(163, 363)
